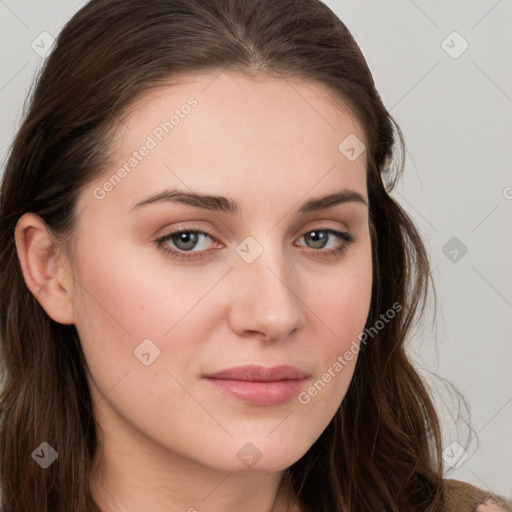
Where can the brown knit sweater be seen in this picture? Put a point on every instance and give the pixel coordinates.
(464, 497)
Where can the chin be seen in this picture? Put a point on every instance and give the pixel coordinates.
(262, 457)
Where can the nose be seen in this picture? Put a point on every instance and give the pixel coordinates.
(266, 297)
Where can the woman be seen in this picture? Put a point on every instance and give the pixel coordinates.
(207, 285)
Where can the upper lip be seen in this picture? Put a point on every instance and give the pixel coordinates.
(260, 373)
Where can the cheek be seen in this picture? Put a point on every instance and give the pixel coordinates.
(132, 291)
(341, 311)
(344, 300)
(124, 298)
(349, 303)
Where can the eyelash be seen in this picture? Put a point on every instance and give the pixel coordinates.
(348, 239)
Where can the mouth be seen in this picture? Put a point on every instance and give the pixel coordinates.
(259, 385)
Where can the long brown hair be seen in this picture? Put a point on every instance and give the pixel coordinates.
(382, 449)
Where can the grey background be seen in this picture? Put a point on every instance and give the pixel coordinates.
(455, 114)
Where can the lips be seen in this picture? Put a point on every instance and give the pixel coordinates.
(260, 373)
(259, 385)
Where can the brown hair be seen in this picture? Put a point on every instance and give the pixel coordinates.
(381, 451)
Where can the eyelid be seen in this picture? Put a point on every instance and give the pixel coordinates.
(187, 229)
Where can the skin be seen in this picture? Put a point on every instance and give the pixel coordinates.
(170, 438)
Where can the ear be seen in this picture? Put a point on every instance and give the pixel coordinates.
(45, 268)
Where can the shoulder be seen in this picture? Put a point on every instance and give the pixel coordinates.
(464, 497)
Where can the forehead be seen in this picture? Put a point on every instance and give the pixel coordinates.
(229, 133)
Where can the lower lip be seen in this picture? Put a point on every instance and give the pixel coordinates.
(260, 393)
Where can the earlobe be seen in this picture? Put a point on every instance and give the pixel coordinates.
(41, 261)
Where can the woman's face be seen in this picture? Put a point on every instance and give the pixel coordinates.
(262, 285)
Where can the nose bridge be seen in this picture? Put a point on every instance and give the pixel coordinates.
(266, 300)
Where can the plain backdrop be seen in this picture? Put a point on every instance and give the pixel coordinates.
(444, 71)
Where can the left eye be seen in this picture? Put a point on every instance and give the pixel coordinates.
(187, 239)
(319, 237)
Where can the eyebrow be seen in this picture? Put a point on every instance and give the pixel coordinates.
(225, 205)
